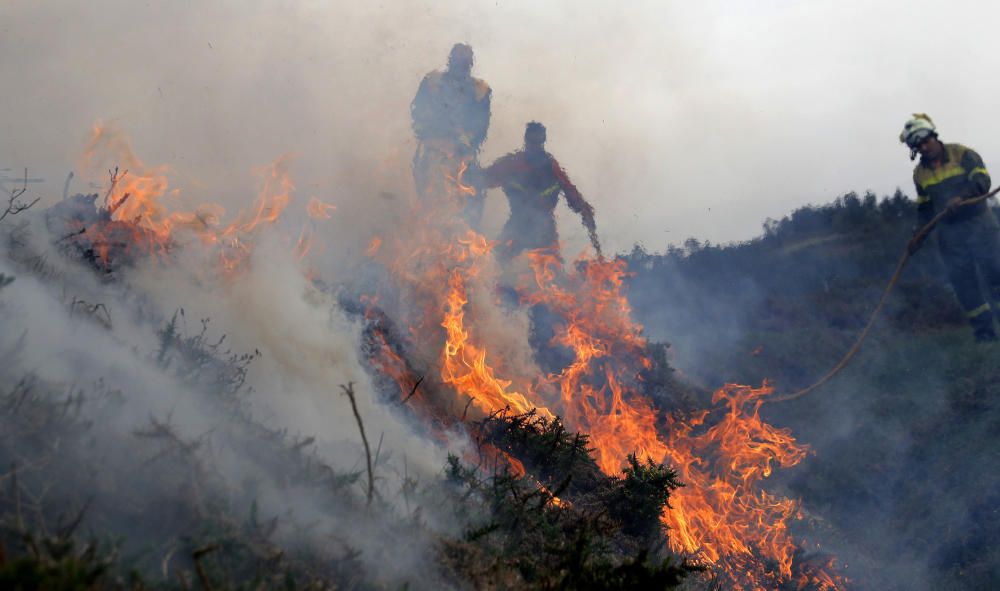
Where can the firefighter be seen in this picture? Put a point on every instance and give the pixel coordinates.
(532, 180)
(450, 115)
(968, 236)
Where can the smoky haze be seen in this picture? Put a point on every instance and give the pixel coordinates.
(674, 120)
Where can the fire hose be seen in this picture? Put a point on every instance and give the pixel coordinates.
(912, 246)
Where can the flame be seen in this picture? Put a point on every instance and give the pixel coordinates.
(134, 197)
(722, 517)
(304, 244)
(273, 198)
(464, 364)
(141, 221)
(319, 210)
(818, 577)
(458, 181)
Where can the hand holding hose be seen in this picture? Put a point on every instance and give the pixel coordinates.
(921, 231)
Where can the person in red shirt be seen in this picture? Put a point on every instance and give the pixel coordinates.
(532, 179)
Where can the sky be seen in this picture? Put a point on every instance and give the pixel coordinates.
(675, 119)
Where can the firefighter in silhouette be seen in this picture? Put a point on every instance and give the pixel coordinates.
(969, 236)
(532, 180)
(450, 116)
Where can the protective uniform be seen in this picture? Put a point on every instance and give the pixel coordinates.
(450, 115)
(453, 109)
(532, 186)
(969, 237)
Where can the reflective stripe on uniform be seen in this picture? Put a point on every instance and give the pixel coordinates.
(921, 199)
(549, 191)
(980, 310)
(934, 177)
(978, 170)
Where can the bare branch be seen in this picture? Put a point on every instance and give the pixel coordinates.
(202, 575)
(98, 311)
(349, 392)
(119, 203)
(466, 411)
(113, 184)
(69, 178)
(14, 203)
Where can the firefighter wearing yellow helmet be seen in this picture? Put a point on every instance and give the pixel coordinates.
(969, 236)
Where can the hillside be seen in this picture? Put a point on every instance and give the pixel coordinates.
(162, 428)
(906, 439)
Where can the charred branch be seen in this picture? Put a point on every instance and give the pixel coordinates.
(69, 178)
(412, 390)
(97, 312)
(114, 179)
(349, 392)
(14, 203)
(117, 204)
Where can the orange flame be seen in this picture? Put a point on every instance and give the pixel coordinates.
(304, 244)
(135, 202)
(722, 517)
(319, 210)
(464, 364)
(458, 179)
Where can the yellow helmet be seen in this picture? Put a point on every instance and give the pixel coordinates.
(917, 129)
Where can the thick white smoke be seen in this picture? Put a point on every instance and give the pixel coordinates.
(53, 330)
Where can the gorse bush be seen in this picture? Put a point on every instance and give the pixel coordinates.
(588, 531)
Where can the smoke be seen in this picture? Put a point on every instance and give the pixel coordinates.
(894, 486)
(72, 333)
(207, 94)
(673, 120)
(705, 315)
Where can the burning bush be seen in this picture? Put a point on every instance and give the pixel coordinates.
(592, 535)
